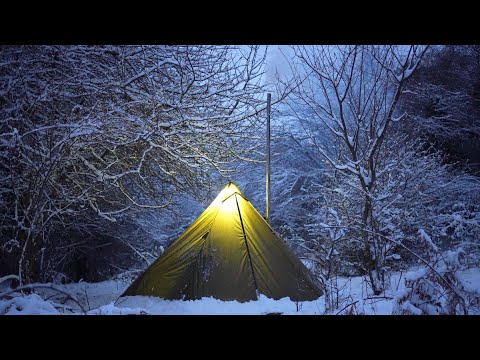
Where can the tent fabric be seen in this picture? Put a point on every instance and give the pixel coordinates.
(230, 253)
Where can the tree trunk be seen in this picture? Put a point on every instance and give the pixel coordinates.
(372, 262)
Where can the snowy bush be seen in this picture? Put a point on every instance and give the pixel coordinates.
(437, 288)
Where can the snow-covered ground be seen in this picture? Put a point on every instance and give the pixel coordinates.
(103, 299)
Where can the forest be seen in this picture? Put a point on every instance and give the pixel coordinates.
(108, 153)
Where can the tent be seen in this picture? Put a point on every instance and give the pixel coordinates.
(229, 253)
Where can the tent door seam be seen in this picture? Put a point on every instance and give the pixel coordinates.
(246, 244)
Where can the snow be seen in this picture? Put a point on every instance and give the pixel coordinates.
(394, 257)
(211, 306)
(416, 274)
(406, 74)
(427, 239)
(111, 309)
(350, 140)
(452, 256)
(103, 299)
(31, 304)
(364, 173)
(470, 279)
(408, 306)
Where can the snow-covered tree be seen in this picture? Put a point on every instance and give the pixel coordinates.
(353, 92)
(89, 135)
(442, 102)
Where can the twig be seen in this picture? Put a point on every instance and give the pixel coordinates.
(379, 298)
(86, 295)
(399, 279)
(62, 306)
(351, 304)
(9, 277)
(136, 251)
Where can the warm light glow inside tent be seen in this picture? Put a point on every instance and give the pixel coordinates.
(230, 253)
(227, 191)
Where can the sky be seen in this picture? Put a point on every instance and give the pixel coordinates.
(276, 61)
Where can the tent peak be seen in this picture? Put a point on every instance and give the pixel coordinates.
(227, 191)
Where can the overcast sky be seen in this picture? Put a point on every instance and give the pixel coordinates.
(276, 61)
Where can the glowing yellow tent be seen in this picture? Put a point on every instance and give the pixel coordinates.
(229, 253)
